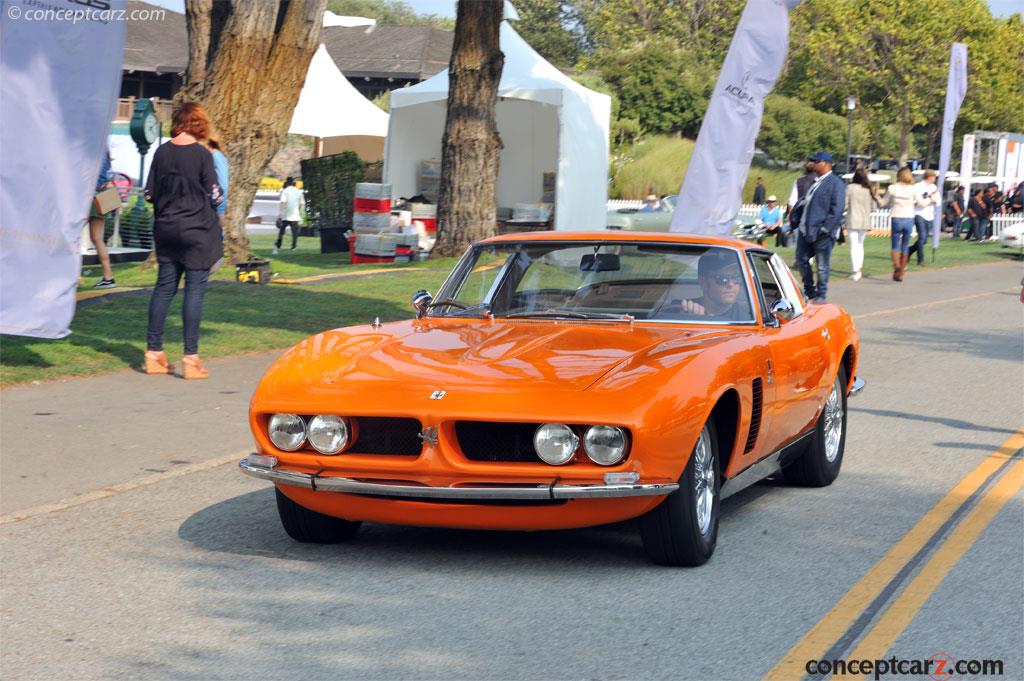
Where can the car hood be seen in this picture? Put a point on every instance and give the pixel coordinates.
(446, 353)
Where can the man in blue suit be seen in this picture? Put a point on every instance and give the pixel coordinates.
(821, 216)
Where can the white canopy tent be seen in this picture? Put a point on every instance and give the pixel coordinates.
(330, 107)
(547, 122)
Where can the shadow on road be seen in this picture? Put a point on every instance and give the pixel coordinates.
(941, 420)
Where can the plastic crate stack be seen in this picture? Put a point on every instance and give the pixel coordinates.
(371, 216)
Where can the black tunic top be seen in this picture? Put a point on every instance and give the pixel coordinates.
(183, 188)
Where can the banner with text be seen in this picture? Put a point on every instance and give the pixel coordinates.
(956, 88)
(711, 193)
(59, 80)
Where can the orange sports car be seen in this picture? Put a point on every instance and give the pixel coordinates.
(562, 380)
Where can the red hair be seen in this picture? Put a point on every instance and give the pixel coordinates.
(192, 119)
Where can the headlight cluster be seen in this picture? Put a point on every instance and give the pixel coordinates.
(557, 443)
(326, 433)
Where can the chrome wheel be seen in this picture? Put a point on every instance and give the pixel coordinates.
(833, 422)
(703, 481)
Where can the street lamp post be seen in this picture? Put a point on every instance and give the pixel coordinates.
(851, 104)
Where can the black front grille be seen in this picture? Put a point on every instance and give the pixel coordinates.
(497, 441)
(377, 435)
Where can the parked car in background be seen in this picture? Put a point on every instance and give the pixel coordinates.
(639, 220)
(563, 380)
(1013, 237)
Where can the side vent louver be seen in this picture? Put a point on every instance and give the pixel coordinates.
(755, 416)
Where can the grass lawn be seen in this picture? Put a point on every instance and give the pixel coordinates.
(878, 262)
(659, 162)
(109, 334)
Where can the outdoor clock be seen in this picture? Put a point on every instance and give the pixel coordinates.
(144, 126)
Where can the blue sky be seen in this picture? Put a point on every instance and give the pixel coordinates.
(1000, 8)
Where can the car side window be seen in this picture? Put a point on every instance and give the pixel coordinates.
(769, 292)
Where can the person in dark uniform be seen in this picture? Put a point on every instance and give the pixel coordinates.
(184, 191)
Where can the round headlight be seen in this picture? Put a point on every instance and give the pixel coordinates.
(605, 445)
(328, 434)
(555, 443)
(287, 431)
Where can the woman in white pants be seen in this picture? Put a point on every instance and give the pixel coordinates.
(860, 201)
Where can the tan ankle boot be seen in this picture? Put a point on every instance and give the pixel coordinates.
(156, 362)
(193, 368)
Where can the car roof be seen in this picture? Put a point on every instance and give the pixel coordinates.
(613, 235)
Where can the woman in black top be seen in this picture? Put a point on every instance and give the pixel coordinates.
(183, 189)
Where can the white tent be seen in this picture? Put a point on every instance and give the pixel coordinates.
(330, 107)
(547, 123)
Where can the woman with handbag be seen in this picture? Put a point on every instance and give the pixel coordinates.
(183, 188)
(860, 201)
(105, 200)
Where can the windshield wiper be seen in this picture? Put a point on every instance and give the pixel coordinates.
(462, 308)
(572, 314)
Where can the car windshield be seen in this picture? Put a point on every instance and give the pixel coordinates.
(598, 280)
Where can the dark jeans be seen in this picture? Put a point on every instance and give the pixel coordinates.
(821, 251)
(924, 230)
(280, 232)
(167, 280)
(958, 223)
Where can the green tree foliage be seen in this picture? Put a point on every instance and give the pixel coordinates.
(661, 86)
(388, 12)
(791, 129)
(702, 27)
(544, 25)
(894, 56)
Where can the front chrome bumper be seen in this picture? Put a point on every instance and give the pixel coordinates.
(536, 492)
(858, 386)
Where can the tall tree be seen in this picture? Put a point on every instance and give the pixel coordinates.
(544, 25)
(892, 55)
(247, 63)
(467, 204)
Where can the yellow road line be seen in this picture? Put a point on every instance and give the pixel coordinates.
(929, 304)
(901, 612)
(112, 490)
(852, 604)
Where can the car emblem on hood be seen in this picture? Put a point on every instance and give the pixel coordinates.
(437, 394)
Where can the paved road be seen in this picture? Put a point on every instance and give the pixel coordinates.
(141, 553)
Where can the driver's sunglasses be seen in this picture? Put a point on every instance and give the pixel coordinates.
(725, 279)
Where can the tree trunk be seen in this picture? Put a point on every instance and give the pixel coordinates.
(933, 135)
(467, 205)
(247, 64)
(904, 124)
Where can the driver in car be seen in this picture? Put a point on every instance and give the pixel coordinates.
(721, 285)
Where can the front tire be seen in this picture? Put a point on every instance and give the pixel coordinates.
(308, 526)
(819, 464)
(683, 529)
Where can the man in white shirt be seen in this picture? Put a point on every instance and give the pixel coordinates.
(924, 217)
(289, 213)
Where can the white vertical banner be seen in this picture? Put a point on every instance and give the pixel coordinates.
(59, 81)
(711, 193)
(956, 89)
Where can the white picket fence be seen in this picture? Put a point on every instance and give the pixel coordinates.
(881, 221)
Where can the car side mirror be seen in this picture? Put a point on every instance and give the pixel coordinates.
(783, 310)
(420, 301)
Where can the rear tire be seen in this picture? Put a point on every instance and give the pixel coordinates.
(683, 529)
(819, 464)
(308, 526)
